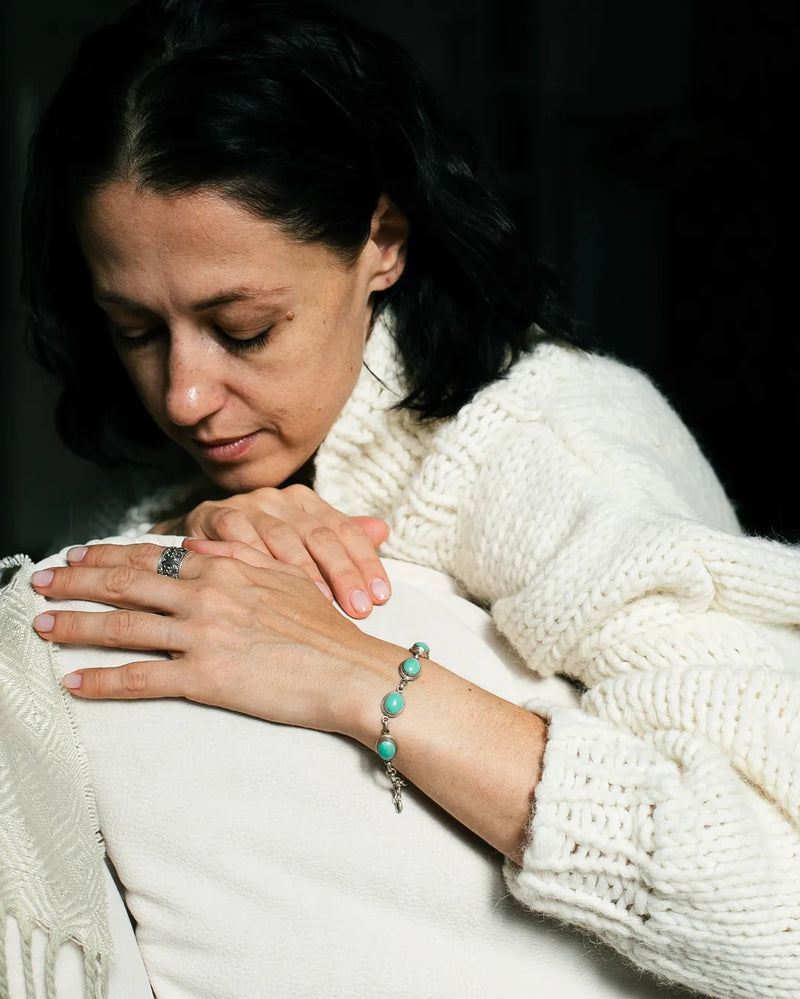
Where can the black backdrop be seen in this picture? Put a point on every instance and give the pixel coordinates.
(645, 150)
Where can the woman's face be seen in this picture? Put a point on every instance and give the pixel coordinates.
(242, 343)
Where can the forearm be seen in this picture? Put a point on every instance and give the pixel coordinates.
(475, 754)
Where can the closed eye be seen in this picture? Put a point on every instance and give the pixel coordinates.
(244, 346)
(129, 339)
(132, 339)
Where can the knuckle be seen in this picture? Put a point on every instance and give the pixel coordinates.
(279, 534)
(134, 679)
(191, 523)
(119, 626)
(202, 514)
(68, 628)
(144, 556)
(322, 536)
(98, 683)
(349, 530)
(297, 491)
(239, 548)
(119, 580)
(264, 494)
(226, 520)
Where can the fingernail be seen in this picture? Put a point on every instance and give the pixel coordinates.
(44, 577)
(379, 589)
(324, 590)
(360, 602)
(44, 622)
(77, 554)
(72, 681)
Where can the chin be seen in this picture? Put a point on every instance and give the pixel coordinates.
(244, 478)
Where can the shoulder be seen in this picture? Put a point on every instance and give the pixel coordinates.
(598, 425)
(562, 380)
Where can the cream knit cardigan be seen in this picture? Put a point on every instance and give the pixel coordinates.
(570, 500)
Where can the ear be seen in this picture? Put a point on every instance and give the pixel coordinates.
(387, 239)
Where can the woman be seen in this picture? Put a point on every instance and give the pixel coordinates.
(245, 221)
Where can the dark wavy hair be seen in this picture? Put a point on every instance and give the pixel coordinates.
(305, 118)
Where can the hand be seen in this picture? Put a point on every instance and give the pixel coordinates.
(247, 633)
(255, 636)
(298, 528)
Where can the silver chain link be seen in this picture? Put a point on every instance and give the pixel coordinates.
(397, 784)
(397, 781)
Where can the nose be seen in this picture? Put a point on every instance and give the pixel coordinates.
(195, 388)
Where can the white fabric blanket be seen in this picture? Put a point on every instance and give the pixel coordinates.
(263, 860)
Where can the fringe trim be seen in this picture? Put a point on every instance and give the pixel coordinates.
(23, 562)
(96, 963)
(98, 950)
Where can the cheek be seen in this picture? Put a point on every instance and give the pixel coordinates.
(308, 406)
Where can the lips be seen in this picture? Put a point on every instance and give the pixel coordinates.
(226, 448)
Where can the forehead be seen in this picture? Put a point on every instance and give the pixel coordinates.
(134, 238)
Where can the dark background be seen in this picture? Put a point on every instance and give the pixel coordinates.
(645, 149)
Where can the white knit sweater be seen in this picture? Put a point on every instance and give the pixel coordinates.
(570, 500)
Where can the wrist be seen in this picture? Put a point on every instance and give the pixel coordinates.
(372, 670)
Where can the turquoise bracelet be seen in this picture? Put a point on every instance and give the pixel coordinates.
(391, 706)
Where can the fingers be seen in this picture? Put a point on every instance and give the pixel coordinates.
(149, 606)
(145, 601)
(350, 566)
(143, 557)
(293, 526)
(343, 548)
(231, 549)
(221, 522)
(117, 585)
(163, 678)
(297, 528)
(272, 537)
(338, 556)
(376, 530)
(123, 629)
(286, 543)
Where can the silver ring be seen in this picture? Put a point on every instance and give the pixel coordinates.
(170, 561)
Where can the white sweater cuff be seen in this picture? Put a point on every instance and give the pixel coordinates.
(662, 854)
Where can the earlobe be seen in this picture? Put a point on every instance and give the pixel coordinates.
(388, 236)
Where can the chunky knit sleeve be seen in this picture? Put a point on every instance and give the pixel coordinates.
(666, 821)
(667, 818)
(570, 500)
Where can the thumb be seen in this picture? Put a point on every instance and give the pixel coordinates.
(377, 530)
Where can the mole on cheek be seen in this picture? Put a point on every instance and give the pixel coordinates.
(290, 316)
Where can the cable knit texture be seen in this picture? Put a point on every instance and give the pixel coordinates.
(571, 500)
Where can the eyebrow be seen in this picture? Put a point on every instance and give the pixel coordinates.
(223, 298)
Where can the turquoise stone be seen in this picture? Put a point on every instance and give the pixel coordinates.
(386, 748)
(410, 668)
(422, 646)
(393, 703)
